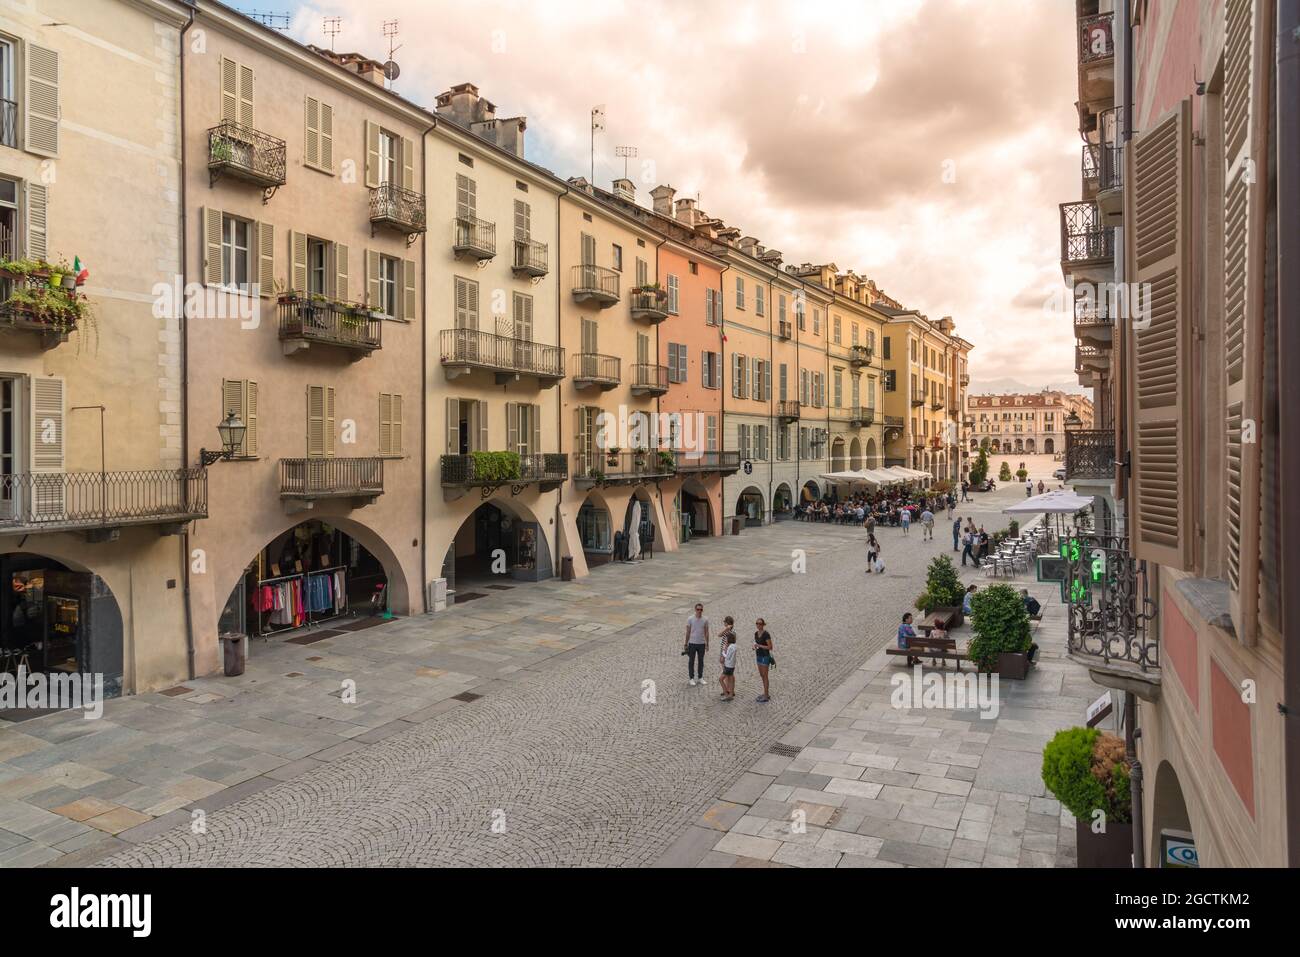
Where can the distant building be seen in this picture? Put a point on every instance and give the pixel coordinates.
(1032, 423)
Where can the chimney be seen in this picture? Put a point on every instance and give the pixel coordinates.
(463, 106)
(580, 182)
(747, 245)
(625, 189)
(686, 212)
(663, 197)
(729, 235)
(364, 67)
(771, 256)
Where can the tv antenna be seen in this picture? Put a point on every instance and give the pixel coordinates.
(391, 70)
(332, 26)
(276, 21)
(627, 152)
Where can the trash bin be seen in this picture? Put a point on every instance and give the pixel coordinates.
(233, 653)
(737, 523)
(566, 568)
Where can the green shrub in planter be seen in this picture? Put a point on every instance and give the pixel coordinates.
(1022, 474)
(496, 466)
(1013, 528)
(1086, 771)
(1000, 623)
(943, 589)
(1004, 473)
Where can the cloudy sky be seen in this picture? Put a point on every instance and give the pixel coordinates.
(924, 143)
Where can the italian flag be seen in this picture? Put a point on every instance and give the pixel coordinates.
(81, 271)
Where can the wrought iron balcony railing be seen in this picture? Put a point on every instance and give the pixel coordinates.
(610, 466)
(964, 378)
(398, 208)
(530, 258)
(1110, 620)
(246, 154)
(650, 305)
(595, 284)
(475, 238)
(862, 416)
(548, 469)
(33, 502)
(787, 409)
(726, 462)
(1084, 240)
(784, 330)
(304, 321)
(592, 368)
(1089, 454)
(1091, 168)
(649, 379)
(917, 401)
(860, 356)
(1096, 41)
(936, 404)
(894, 423)
(29, 304)
(463, 349)
(8, 123)
(314, 478)
(1091, 357)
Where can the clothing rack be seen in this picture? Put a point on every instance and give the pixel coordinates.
(310, 618)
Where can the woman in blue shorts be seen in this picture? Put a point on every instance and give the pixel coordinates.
(763, 649)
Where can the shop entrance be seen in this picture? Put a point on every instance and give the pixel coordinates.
(495, 544)
(696, 513)
(309, 575)
(58, 620)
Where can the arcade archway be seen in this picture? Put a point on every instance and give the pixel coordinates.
(749, 505)
(837, 455)
(871, 458)
(855, 454)
(782, 502)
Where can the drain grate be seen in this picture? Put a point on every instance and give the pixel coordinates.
(466, 696)
(785, 750)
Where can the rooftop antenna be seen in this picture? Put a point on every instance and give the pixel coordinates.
(276, 21)
(597, 126)
(391, 70)
(627, 152)
(332, 26)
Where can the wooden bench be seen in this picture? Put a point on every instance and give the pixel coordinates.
(925, 646)
(942, 620)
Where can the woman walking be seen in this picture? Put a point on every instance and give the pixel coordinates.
(763, 650)
(873, 552)
(727, 659)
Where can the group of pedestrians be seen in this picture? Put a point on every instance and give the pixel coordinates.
(697, 646)
(974, 542)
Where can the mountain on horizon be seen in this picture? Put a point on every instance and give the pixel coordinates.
(1009, 385)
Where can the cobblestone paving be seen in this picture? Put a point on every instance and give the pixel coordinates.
(563, 751)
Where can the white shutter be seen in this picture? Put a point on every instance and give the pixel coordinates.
(385, 423)
(311, 140)
(46, 400)
(38, 221)
(42, 119)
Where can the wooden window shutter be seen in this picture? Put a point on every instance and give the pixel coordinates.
(38, 220)
(212, 246)
(326, 136)
(385, 423)
(329, 422)
(372, 154)
(246, 95)
(466, 303)
(512, 426)
(265, 259)
(1246, 49)
(523, 219)
(398, 441)
(373, 299)
(579, 432)
(298, 258)
(315, 421)
(408, 163)
(409, 303)
(453, 426)
(48, 447)
(1159, 426)
(466, 197)
(229, 90)
(535, 420)
(249, 416)
(42, 119)
(483, 444)
(312, 138)
(342, 272)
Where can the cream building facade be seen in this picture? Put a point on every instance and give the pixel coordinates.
(1033, 423)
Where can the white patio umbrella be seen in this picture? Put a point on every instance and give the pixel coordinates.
(1056, 502)
(634, 533)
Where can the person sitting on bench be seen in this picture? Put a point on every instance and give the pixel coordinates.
(905, 634)
(1032, 607)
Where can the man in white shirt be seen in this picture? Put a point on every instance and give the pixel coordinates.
(697, 643)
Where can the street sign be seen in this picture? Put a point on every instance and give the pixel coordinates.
(748, 467)
(1099, 710)
(1178, 850)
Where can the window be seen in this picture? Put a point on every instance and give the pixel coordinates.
(390, 424)
(523, 428)
(466, 303)
(738, 372)
(760, 442)
(760, 304)
(839, 388)
(711, 434)
(672, 294)
(711, 309)
(9, 245)
(236, 236)
(320, 421)
(742, 440)
(593, 528)
(890, 378)
(317, 267)
(740, 292)
(855, 334)
(9, 126)
(817, 322)
(835, 335)
(618, 257)
(676, 362)
(785, 370)
(523, 316)
(389, 269)
(642, 272)
(695, 268)
(711, 369)
(390, 158)
(783, 442)
(319, 138)
(523, 220)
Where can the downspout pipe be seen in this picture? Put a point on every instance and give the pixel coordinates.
(426, 386)
(190, 651)
(722, 405)
(559, 389)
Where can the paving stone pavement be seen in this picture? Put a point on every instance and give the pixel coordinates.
(560, 748)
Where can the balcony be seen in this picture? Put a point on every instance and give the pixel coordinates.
(917, 401)
(246, 154)
(726, 463)
(306, 321)
(595, 284)
(936, 404)
(1089, 455)
(398, 209)
(784, 330)
(613, 467)
(546, 470)
(1091, 358)
(1091, 169)
(893, 423)
(649, 304)
(964, 378)
(1110, 166)
(530, 259)
(1109, 627)
(649, 379)
(859, 356)
(8, 123)
(787, 410)
(29, 304)
(464, 350)
(474, 239)
(304, 481)
(861, 417)
(591, 369)
(1087, 246)
(1096, 59)
(1091, 324)
(99, 503)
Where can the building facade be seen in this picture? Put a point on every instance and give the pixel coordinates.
(1189, 449)
(1032, 423)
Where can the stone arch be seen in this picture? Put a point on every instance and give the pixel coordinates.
(648, 518)
(782, 501)
(871, 457)
(1030, 446)
(1049, 446)
(855, 454)
(541, 545)
(749, 503)
(837, 455)
(697, 490)
(811, 492)
(1168, 809)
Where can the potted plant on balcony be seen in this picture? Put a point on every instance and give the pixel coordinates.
(943, 590)
(667, 461)
(495, 468)
(611, 456)
(653, 290)
(1001, 626)
(638, 457)
(1086, 770)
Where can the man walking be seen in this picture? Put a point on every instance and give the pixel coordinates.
(968, 551)
(964, 487)
(697, 643)
(956, 535)
(927, 526)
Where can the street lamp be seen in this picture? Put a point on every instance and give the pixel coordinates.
(232, 431)
(1072, 421)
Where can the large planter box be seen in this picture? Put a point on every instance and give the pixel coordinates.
(958, 619)
(1013, 665)
(1112, 848)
